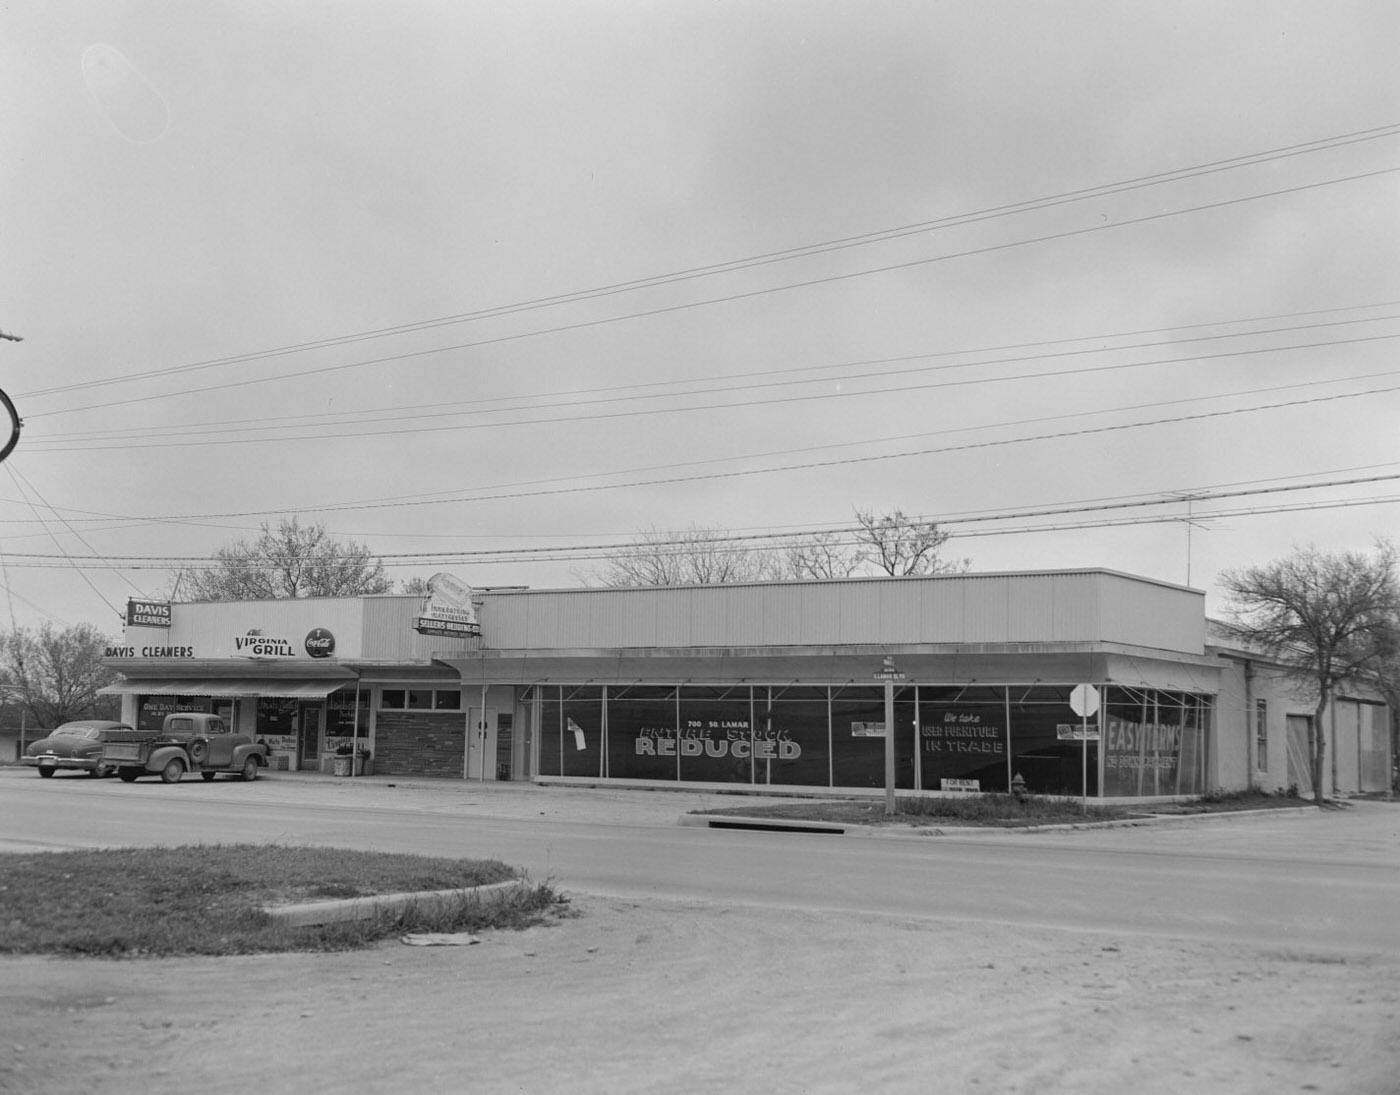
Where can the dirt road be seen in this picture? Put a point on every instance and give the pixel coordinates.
(680, 998)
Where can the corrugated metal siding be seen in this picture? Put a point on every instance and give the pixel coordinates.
(1147, 614)
(1080, 606)
(389, 634)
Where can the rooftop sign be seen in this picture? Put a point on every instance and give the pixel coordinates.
(448, 609)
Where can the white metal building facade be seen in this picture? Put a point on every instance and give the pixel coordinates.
(764, 685)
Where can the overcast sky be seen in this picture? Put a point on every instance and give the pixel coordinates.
(274, 258)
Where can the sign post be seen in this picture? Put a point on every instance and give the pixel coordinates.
(1084, 702)
(889, 674)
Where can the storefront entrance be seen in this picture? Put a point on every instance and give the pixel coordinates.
(310, 719)
(481, 743)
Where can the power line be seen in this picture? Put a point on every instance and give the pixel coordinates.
(730, 298)
(208, 431)
(782, 539)
(83, 446)
(691, 273)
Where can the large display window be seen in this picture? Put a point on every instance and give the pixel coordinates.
(792, 733)
(716, 743)
(641, 732)
(858, 736)
(972, 738)
(1055, 751)
(1155, 742)
(964, 739)
(571, 730)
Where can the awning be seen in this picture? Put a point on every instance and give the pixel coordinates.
(288, 689)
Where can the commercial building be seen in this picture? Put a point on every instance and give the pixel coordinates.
(773, 686)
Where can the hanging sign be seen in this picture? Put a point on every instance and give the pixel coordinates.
(147, 614)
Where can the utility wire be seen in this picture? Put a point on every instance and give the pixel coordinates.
(730, 298)
(208, 431)
(767, 258)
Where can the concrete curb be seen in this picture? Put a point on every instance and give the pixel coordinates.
(923, 832)
(310, 913)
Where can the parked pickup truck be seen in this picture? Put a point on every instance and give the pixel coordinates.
(187, 742)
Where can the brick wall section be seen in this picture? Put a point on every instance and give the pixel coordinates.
(420, 743)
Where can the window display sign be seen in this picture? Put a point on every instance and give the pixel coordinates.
(961, 745)
(1154, 745)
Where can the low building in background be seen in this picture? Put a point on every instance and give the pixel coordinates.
(772, 686)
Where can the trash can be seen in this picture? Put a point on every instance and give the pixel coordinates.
(342, 765)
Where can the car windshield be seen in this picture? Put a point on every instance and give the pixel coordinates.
(79, 732)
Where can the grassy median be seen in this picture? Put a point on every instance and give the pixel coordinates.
(209, 899)
(996, 810)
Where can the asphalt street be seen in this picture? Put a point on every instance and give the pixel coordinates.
(1299, 878)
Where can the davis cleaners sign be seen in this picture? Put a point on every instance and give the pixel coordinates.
(147, 614)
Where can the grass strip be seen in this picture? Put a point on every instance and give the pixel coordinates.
(993, 810)
(208, 899)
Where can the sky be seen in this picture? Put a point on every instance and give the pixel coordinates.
(486, 286)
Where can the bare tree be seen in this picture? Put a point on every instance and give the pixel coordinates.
(825, 555)
(56, 674)
(890, 544)
(694, 556)
(291, 560)
(1328, 618)
(898, 545)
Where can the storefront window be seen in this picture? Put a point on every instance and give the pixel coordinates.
(716, 734)
(963, 739)
(858, 737)
(345, 712)
(1155, 742)
(794, 724)
(151, 710)
(642, 737)
(1049, 748)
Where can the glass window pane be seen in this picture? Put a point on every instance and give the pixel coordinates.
(858, 737)
(716, 735)
(420, 699)
(1048, 746)
(447, 700)
(963, 739)
(581, 732)
(794, 730)
(392, 699)
(642, 738)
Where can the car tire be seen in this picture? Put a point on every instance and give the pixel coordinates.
(250, 769)
(46, 773)
(173, 771)
(128, 775)
(199, 751)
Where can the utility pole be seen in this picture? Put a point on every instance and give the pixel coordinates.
(15, 420)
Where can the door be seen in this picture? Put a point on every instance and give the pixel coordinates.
(481, 743)
(309, 722)
(1300, 754)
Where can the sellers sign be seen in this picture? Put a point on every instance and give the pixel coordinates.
(448, 609)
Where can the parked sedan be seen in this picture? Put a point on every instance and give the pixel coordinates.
(74, 745)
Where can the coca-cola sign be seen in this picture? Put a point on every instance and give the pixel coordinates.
(320, 643)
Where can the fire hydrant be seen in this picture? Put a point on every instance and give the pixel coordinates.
(1018, 787)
